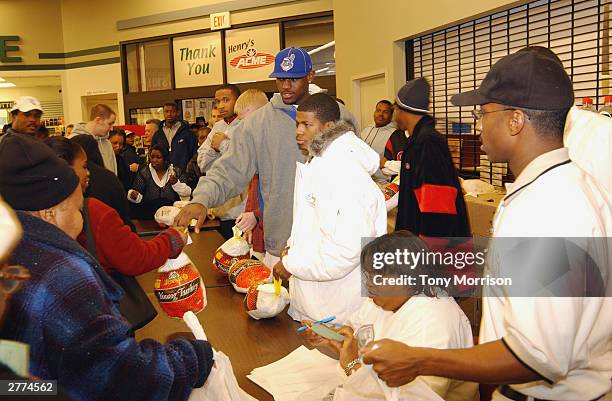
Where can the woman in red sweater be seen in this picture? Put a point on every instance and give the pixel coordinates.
(117, 247)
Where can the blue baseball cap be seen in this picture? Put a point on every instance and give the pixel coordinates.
(292, 62)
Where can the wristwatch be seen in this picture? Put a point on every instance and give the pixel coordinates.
(350, 366)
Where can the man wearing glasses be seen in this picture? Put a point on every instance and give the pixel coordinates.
(430, 198)
(535, 347)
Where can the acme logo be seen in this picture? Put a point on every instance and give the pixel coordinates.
(252, 59)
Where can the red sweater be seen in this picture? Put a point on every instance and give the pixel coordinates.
(120, 249)
(252, 205)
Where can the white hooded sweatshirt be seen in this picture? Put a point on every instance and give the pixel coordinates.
(335, 205)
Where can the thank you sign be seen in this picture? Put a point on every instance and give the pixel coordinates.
(198, 60)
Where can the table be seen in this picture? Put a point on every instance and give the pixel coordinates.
(151, 227)
(247, 342)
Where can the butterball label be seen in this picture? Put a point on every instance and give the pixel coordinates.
(234, 273)
(178, 293)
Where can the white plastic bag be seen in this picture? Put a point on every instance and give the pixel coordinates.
(180, 204)
(268, 303)
(221, 384)
(364, 384)
(231, 251)
(166, 215)
(476, 187)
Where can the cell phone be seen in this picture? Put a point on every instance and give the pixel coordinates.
(326, 332)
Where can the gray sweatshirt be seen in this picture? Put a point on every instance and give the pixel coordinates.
(106, 148)
(264, 143)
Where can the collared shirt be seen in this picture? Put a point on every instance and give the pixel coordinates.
(170, 131)
(565, 340)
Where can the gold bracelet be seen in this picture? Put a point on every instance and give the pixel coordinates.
(350, 366)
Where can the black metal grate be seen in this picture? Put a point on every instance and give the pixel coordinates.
(457, 58)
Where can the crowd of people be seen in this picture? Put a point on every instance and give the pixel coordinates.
(303, 183)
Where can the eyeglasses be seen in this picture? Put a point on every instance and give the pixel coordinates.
(12, 278)
(478, 114)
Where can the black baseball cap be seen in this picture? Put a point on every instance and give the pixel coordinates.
(526, 79)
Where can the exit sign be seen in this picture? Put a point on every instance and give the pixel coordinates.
(220, 20)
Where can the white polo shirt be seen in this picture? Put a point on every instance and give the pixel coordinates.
(566, 340)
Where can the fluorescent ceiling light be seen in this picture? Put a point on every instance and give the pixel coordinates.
(321, 70)
(6, 84)
(323, 47)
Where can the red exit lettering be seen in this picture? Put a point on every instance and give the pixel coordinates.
(219, 20)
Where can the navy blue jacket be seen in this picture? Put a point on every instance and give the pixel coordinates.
(184, 144)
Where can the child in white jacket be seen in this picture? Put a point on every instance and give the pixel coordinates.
(418, 315)
(335, 205)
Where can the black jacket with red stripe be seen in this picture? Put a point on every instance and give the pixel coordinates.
(430, 199)
(395, 145)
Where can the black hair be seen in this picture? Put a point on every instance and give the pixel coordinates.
(385, 101)
(116, 132)
(172, 104)
(193, 126)
(235, 89)
(64, 148)
(401, 240)
(163, 149)
(90, 146)
(324, 107)
(547, 123)
(200, 118)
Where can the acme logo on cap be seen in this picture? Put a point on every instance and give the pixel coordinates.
(252, 59)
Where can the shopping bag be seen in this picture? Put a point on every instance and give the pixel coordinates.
(265, 300)
(166, 214)
(221, 384)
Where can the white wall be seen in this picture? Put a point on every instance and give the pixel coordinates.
(370, 36)
(98, 80)
(42, 93)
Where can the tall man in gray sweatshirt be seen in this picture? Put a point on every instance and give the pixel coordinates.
(264, 143)
(101, 121)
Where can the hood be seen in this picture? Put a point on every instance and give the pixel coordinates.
(80, 129)
(277, 103)
(334, 143)
(277, 100)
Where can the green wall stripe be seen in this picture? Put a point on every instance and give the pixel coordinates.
(77, 53)
(32, 67)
